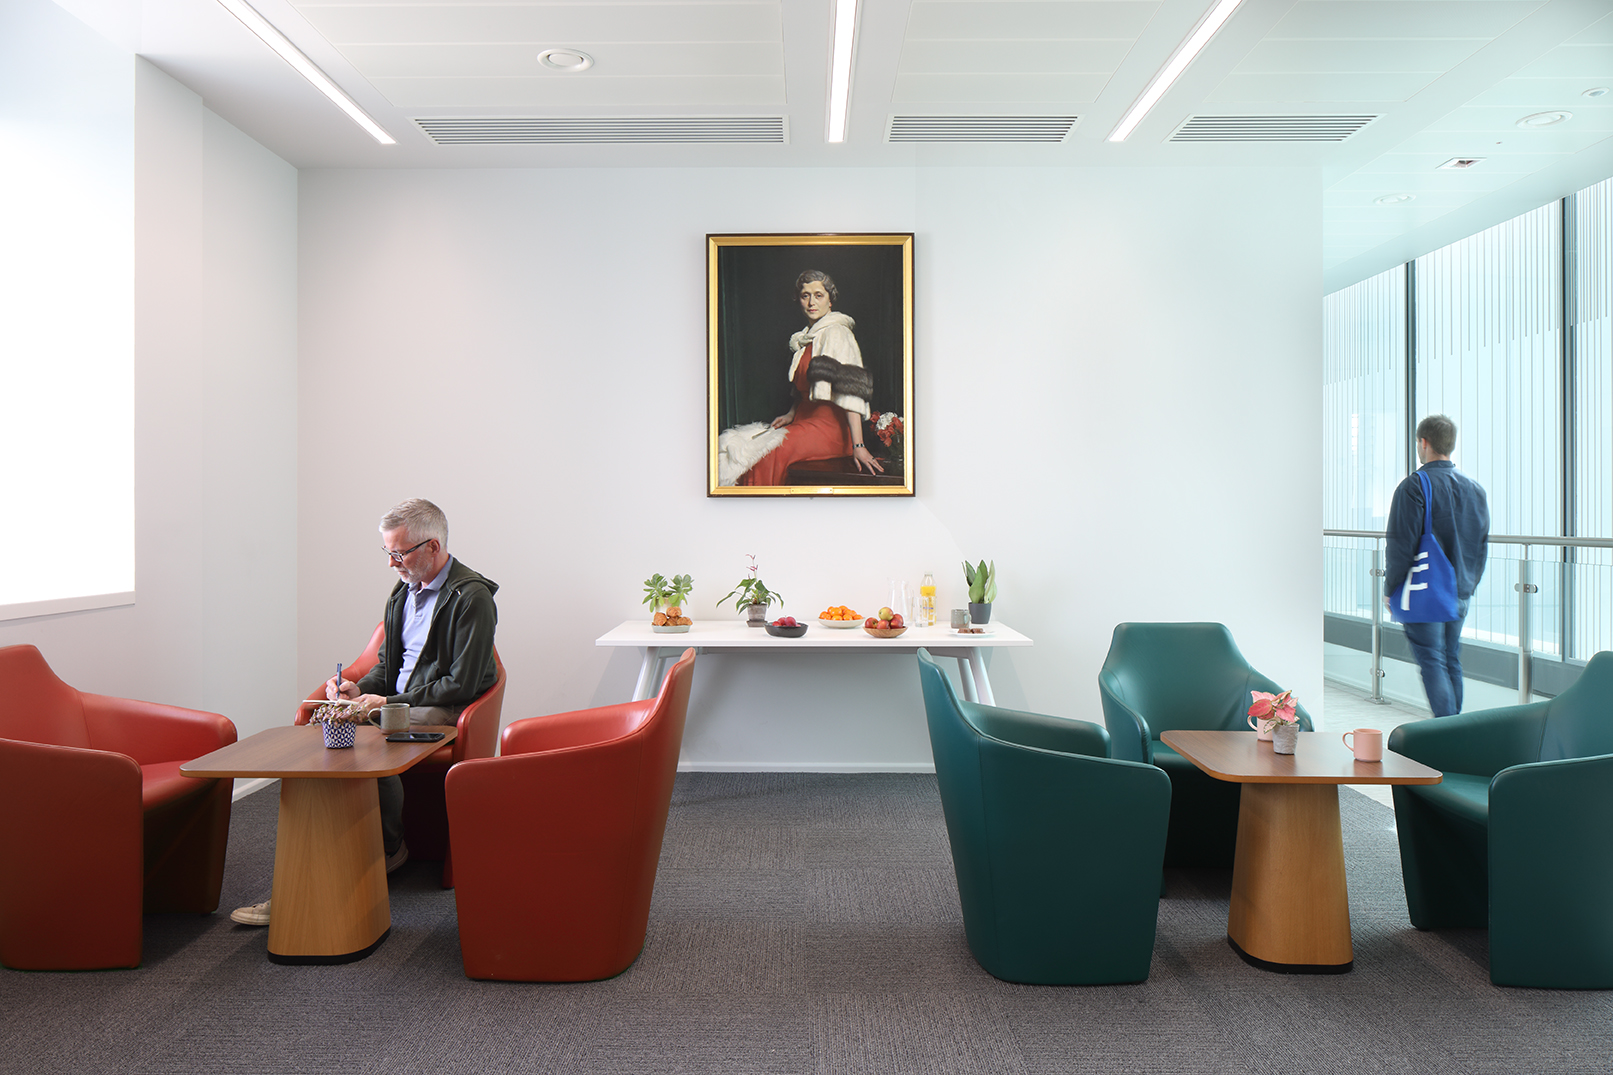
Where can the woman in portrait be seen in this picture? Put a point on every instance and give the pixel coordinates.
(830, 390)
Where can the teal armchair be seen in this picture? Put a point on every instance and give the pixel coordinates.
(1190, 676)
(1058, 848)
(1518, 837)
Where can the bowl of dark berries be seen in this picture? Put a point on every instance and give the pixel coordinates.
(786, 627)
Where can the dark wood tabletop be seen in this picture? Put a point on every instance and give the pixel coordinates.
(299, 751)
(1319, 758)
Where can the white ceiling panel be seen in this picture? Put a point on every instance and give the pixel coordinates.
(1364, 56)
(1354, 19)
(1513, 143)
(981, 57)
(1525, 95)
(1502, 121)
(545, 24)
(998, 89)
(1297, 89)
(1572, 61)
(1444, 78)
(688, 60)
(1423, 164)
(1011, 20)
(1598, 33)
(625, 93)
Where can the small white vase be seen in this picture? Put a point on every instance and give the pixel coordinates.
(1284, 738)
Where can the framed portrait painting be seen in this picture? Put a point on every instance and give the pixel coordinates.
(810, 365)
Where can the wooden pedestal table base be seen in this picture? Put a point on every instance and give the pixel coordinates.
(1290, 905)
(329, 902)
(1290, 908)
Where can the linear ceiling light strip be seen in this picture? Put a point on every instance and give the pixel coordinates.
(840, 68)
(305, 67)
(1185, 54)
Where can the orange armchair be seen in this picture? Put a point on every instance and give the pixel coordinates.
(425, 813)
(100, 825)
(557, 840)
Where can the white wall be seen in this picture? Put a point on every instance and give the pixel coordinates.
(214, 622)
(1118, 395)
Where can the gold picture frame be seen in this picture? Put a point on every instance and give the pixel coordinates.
(809, 343)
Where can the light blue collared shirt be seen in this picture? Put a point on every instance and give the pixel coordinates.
(417, 609)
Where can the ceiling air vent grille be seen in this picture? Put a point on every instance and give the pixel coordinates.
(1269, 128)
(979, 128)
(600, 130)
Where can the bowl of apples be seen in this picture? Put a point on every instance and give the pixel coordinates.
(886, 624)
(786, 627)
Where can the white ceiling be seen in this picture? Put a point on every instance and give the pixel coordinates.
(1446, 78)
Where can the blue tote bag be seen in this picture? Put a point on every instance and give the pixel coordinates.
(1429, 593)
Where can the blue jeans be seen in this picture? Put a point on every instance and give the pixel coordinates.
(1438, 649)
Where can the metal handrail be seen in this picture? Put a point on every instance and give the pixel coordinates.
(1499, 539)
(1523, 587)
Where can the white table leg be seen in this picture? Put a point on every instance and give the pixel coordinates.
(977, 666)
(647, 670)
(966, 680)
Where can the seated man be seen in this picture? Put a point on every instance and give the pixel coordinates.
(437, 657)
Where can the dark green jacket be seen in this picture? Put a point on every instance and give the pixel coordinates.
(456, 663)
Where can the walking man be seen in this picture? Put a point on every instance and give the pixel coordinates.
(1461, 526)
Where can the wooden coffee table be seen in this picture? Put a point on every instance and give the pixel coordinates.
(1290, 906)
(329, 902)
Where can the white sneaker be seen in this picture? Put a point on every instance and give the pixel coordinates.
(255, 915)
(395, 860)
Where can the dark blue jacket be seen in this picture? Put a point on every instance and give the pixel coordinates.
(1461, 526)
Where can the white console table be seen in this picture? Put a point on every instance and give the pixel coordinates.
(732, 636)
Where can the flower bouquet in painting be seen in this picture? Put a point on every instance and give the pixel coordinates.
(1278, 715)
(889, 430)
(340, 720)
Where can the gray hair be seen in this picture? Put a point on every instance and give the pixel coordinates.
(1440, 433)
(823, 278)
(423, 519)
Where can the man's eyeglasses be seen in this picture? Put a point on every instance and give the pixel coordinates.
(397, 557)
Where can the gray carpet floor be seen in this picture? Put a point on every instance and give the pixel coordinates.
(802, 923)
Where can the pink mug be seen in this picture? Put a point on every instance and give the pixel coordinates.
(1263, 727)
(1368, 745)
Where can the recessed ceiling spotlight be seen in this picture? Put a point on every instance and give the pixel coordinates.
(1394, 199)
(1544, 119)
(1598, 91)
(565, 59)
(1456, 164)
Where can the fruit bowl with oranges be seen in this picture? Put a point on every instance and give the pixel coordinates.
(887, 624)
(839, 616)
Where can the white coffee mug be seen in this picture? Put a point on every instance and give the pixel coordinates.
(394, 717)
(1263, 727)
(1368, 745)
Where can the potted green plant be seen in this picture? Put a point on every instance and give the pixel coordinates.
(982, 582)
(753, 596)
(665, 598)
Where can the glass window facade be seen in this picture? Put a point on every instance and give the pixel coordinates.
(1511, 335)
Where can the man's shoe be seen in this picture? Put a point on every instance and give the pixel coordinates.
(255, 915)
(393, 862)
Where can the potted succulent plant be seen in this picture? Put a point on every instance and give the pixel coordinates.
(753, 596)
(666, 599)
(982, 582)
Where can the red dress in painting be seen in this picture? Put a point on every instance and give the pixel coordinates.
(819, 431)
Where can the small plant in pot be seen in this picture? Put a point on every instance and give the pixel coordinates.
(1278, 714)
(982, 582)
(666, 599)
(753, 596)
